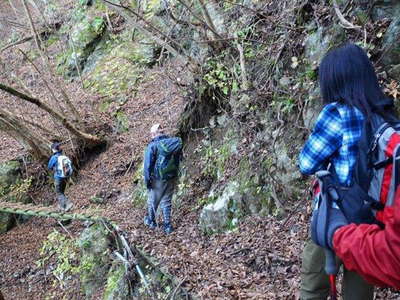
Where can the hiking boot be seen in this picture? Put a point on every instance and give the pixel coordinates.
(168, 228)
(68, 206)
(149, 223)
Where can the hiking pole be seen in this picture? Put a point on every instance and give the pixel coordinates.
(331, 270)
(330, 261)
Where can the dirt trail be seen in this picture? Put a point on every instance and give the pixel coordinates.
(259, 260)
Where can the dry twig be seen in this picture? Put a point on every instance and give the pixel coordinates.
(343, 22)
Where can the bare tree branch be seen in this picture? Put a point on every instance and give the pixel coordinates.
(343, 21)
(33, 29)
(91, 139)
(21, 41)
(45, 59)
(245, 82)
(200, 19)
(163, 43)
(38, 71)
(209, 21)
(16, 128)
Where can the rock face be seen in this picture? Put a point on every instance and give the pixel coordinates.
(391, 43)
(218, 216)
(117, 286)
(319, 42)
(86, 33)
(384, 9)
(95, 260)
(10, 175)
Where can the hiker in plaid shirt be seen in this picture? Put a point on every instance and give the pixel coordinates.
(350, 92)
(334, 139)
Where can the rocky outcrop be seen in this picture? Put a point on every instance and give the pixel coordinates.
(85, 34)
(10, 179)
(95, 258)
(391, 44)
(384, 9)
(319, 42)
(117, 286)
(218, 216)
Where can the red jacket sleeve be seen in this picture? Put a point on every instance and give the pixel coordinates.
(370, 251)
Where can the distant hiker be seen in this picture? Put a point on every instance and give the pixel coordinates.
(62, 167)
(351, 94)
(161, 166)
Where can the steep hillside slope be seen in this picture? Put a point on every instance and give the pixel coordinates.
(237, 80)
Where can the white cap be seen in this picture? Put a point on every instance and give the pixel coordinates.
(154, 128)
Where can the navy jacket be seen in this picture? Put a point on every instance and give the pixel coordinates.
(150, 157)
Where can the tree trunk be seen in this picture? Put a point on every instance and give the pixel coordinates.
(27, 137)
(85, 137)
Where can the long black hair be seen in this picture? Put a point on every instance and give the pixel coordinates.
(346, 75)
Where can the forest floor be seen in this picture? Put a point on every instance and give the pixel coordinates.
(258, 260)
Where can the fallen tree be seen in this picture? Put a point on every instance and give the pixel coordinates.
(22, 130)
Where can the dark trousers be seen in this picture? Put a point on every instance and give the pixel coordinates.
(60, 185)
(161, 194)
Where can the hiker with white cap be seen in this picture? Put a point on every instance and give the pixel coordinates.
(161, 165)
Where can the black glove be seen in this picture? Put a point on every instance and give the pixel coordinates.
(324, 222)
(149, 184)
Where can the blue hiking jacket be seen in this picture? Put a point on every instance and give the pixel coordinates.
(150, 157)
(52, 165)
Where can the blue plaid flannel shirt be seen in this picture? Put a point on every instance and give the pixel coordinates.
(333, 140)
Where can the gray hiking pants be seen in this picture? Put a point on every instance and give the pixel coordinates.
(161, 194)
(60, 185)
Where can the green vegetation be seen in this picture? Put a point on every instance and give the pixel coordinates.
(139, 195)
(17, 192)
(113, 280)
(64, 253)
(215, 159)
(217, 76)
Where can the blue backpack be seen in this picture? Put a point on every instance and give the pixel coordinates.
(167, 162)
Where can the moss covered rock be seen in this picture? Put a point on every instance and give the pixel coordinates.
(139, 194)
(119, 71)
(10, 179)
(218, 216)
(95, 259)
(10, 173)
(117, 286)
(85, 34)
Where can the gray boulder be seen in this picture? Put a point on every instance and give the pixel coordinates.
(319, 42)
(218, 216)
(391, 44)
